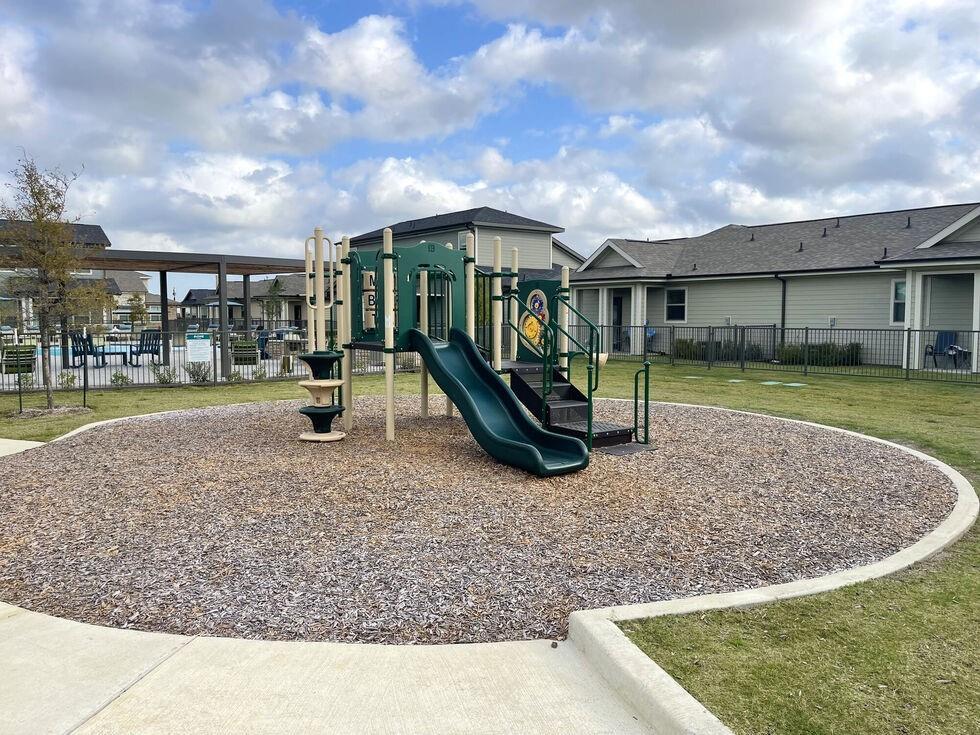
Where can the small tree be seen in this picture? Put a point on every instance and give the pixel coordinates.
(44, 255)
(138, 313)
(273, 303)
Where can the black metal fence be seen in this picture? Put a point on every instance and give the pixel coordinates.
(909, 354)
(83, 361)
(117, 359)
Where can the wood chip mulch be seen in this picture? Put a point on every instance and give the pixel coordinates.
(219, 522)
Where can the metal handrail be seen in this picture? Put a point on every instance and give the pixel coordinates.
(547, 351)
(595, 341)
(645, 371)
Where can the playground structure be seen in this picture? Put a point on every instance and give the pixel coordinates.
(423, 298)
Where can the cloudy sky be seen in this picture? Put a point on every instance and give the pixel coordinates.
(237, 126)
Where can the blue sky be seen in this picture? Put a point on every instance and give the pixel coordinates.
(236, 126)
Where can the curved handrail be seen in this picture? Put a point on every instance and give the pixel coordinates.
(595, 341)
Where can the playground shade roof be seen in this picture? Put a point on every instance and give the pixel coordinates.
(478, 216)
(149, 260)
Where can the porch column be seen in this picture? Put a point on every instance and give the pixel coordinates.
(224, 335)
(976, 322)
(917, 282)
(638, 310)
(247, 303)
(164, 317)
(602, 317)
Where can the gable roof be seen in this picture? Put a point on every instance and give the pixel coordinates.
(85, 235)
(828, 244)
(485, 216)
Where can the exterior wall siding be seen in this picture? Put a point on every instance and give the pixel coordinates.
(559, 258)
(534, 248)
(950, 302)
(858, 301)
(587, 301)
(610, 259)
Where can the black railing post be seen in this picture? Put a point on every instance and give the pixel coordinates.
(908, 353)
(214, 359)
(711, 346)
(672, 344)
(741, 348)
(806, 350)
(20, 389)
(84, 379)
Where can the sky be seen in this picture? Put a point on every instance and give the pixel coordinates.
(238, 126)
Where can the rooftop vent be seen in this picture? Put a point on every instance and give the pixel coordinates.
(838, 222)
(908, 224)
(752, 238)
(801, 247)
(824, 232)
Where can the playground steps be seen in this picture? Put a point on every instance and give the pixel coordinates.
(567, 410)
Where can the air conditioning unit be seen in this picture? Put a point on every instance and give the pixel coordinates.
(729, 321)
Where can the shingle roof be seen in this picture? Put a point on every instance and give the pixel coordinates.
(88, 235)
(846, 243)
(476, 216)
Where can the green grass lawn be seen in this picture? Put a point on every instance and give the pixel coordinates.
(898, 655)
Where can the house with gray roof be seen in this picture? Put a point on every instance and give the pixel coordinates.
(539, 249)
(913, 269)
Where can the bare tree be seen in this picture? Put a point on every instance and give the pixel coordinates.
(44, 255)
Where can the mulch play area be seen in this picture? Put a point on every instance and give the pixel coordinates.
(219, 522)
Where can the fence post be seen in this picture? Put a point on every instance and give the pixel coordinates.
(84, 379)
(711, 346)
(741, 348)
(214, 359)
(672, 328)
(20, 375)
(806, 350)
(908, 353)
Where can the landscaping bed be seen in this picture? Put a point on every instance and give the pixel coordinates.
(217, 521)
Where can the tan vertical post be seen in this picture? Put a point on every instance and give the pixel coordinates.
(389, 332)
(448, 306)
(513, 304)
(424, 328)
(319, 313)
(496, 306)
(310, 313)
(563, 323)
(347, 366)
(469, 277)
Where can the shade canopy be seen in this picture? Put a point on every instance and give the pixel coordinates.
(149, 260)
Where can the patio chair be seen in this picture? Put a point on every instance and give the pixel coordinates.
(151, 343)
(650, 337)
(16, 359)
(946, 346)
(262, 338)
(245, 352)
(82, 345)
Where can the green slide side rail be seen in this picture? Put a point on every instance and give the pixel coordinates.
(492, 412)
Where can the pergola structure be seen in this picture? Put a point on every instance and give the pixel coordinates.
(221, 265)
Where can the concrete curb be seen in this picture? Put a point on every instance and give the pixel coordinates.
(662, 702)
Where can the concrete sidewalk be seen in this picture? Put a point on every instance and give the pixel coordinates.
(62, 676)
(14, 446)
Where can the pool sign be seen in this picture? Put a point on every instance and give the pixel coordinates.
(198, 347)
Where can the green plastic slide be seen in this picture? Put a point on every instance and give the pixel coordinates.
(492, 412)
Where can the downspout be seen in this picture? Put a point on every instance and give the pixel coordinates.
(782, 308)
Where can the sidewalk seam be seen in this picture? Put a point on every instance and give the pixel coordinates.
(107, 703)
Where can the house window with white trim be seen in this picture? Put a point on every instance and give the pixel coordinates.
(675, 305)
(898, 302)
(461, 240)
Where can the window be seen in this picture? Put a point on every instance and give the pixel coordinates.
(461, 240)
(675, 307)
(898, 302)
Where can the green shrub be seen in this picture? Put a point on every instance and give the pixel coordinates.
(66, 379)
(235, 376)
(827, 354)
(164, 375)
(688, 349)
(260, 373)
(199, 372)
(120, 378)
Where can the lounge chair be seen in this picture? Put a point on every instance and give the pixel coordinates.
(151, 342)
(82, 345)
(16, 359)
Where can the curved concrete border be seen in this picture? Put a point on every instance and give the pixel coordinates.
(657, 698)
(656, 695)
